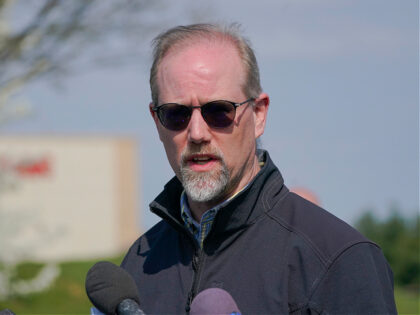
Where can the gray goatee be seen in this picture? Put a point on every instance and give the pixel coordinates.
(204, 186)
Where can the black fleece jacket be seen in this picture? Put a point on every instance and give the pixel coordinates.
(273, 251)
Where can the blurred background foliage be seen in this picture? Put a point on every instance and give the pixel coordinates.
(400, 241)
(399, 238)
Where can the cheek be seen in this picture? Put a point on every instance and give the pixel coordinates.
(246, 133)
(246, 142)
(237, 148)
(173, 148)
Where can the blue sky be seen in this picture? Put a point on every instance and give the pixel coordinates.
(344, 87)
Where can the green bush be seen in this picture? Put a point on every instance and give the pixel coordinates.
(399, 239)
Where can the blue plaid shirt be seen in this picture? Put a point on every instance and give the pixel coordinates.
(202, 229)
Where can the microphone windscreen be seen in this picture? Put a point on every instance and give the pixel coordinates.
(107, 285)
(213, 301)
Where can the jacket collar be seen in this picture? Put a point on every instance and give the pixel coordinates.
(264, 190)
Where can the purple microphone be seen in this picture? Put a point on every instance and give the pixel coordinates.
(214, 301)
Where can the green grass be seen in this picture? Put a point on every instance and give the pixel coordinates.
(68, 296)
(408, 301)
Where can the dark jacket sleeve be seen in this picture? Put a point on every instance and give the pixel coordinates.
(358, 281)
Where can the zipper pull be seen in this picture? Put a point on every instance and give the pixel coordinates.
(195, 262)
(189, 300)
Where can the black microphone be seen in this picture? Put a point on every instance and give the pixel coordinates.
(214, 301)
(112, 290)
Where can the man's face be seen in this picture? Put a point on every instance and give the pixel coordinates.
(211, 163)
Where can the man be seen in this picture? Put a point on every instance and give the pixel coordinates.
(228, 221)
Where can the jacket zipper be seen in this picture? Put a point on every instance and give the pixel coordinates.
(197, 263)
(197, 257)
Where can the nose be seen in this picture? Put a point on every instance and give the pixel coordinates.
(198, 130)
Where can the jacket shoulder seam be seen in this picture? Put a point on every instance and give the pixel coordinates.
(323, 258)
(301, 235)
(318, 280)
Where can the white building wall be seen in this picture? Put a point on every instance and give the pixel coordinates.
(61, 197)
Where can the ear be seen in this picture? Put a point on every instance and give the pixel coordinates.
(155, 118)
(260, 113)
(153, 113)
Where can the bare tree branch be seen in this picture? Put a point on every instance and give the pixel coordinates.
(51, 37)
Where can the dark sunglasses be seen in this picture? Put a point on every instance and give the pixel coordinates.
(217, 114)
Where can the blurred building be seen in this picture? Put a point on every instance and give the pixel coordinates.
(307, 194)
(68, 198)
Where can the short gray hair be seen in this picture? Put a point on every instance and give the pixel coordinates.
(178, 35)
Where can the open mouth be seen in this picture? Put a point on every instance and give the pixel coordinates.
(201, 162)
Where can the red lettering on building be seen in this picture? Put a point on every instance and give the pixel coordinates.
(33, 168)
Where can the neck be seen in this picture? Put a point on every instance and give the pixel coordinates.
(236, 185)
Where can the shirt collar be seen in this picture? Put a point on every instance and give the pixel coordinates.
(186, 211)
(202, 229)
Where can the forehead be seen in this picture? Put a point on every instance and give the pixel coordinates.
(205, 67)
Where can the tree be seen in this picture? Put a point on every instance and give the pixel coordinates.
(49, 38)
(400, 242)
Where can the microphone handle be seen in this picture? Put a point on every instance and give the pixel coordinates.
(129, 307)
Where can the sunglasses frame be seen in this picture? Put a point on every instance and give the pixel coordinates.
(156, 109)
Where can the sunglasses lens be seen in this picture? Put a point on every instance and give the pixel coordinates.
(174, 116)
(218, 114)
